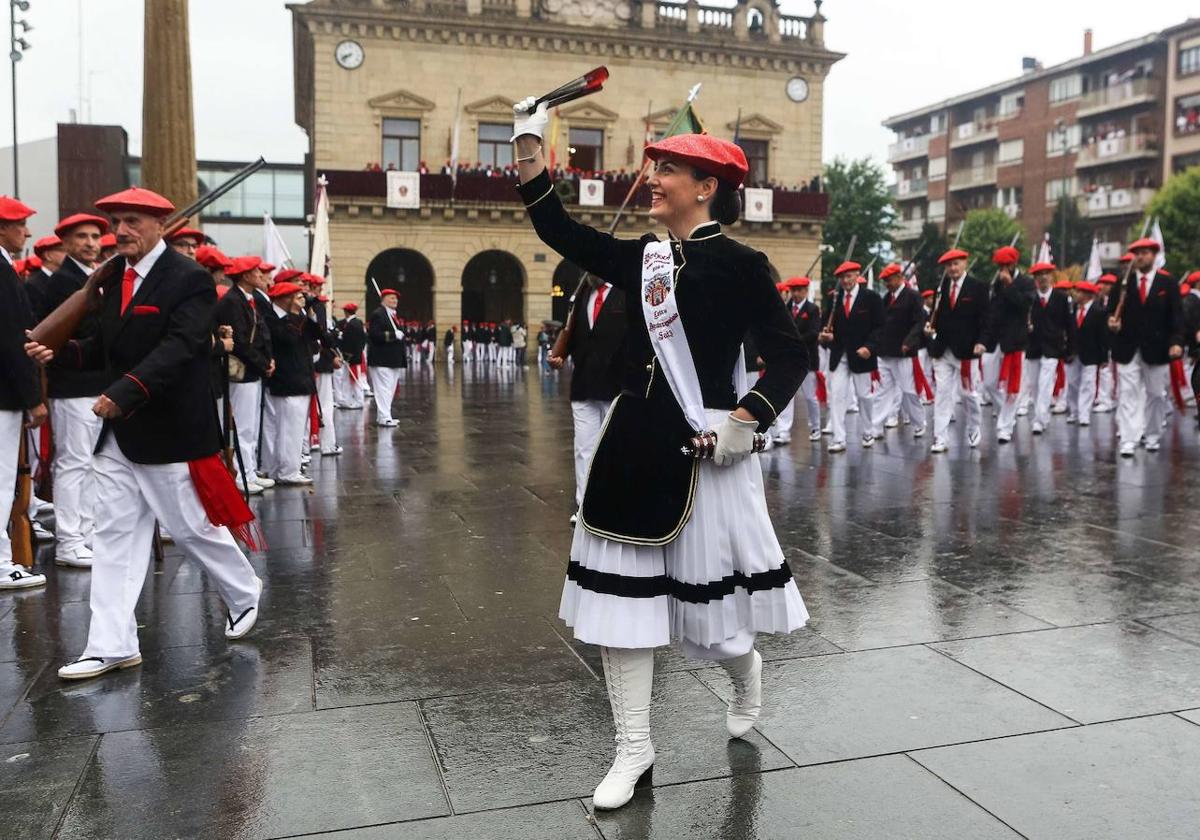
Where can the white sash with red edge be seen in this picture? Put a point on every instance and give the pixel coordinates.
(669, 340)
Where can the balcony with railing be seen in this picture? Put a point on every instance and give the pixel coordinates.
(1122, 201)
(1117, 149)
(907, 229)
(909, 188)
(1119, 95)
(976, 131)
(909, 148)
(973, 176)
(478, 191)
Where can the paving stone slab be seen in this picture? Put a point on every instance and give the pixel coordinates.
(553, 821)
(37, 778)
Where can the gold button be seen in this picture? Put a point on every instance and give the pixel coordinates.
(650, 368)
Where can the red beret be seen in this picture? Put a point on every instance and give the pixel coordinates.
(81, 219)
(188, 233)
(889, 270)
(1126, 257)
(353, 307)
(1193, 278)
(709, 154)
(1085, 286)
(33, 262)
(781, 286)
(288, 274)
(1185, 288)
(1144, 243)
(211, 258)
(1041, 266)
(386, 292)
(797, 282)
(849, 265)
(19, 267)
(12, 210)
(263, 265)
(1007, 255)
(1107, 278)
(108, 240)
(240, 265)
(283, 289)
(928, 293)
(1064, 284)
(312, 279)
(46, 243)
(137, 200)
(952, 254)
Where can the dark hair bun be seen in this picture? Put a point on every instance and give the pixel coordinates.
(726, 204)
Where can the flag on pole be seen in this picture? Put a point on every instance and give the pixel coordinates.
(454, 140)
(1094, 270)
(1044, 252)
(275, 250)
(553, 141)
(1160, 259)
(320, 264)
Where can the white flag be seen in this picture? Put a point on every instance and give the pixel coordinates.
(1094, 270)
(320, 264)
(275, 250)
(1160, 259)
(759, 205)
(591, 192)
(1044, 252)
(454, 139)
(403, 189)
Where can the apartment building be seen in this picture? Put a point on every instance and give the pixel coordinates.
(1181, 148)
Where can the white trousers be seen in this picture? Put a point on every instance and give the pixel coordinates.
(1106, 396)
(589, 417)
(325, 399)
(348, 387)
(1041, 373)
(130, 497)
(11, 423)
(989, 385)
(1082, 389)
(898, 392)
(245, 399)
(950, 388)
(808, 391)
(468, 350)
(76, 430)
(383, 383)
(783, 423)
(449, 354)
(291, 424)
(840, 380)
(267, 461)
(1142, 400)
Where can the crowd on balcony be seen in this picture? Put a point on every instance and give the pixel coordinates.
(1187, 115)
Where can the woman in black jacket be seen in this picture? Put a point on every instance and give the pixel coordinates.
(290, 389)
(671, 546)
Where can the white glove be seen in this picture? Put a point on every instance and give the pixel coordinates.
(735, 440)
(524, 123)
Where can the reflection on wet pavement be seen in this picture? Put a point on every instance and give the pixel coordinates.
(1004, 643)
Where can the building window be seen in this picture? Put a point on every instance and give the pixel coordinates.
(1058, 142)
(1059, 187)
(587, 148)
(1011, 151)
(1189, 60)
(1187, 114)
(494, 146)
(1008, 199)
(937, 124)
(401, 144)
(1065, 87)
(937, 208)
(756, 156)
(1011, 104)
(937, 168)
(1182, 162)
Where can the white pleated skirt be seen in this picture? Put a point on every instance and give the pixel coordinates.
(724, 574)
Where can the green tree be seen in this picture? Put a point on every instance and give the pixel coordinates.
(1067, 220)
(1177, 206)
(859, 203)
(986, 230)
(927, 268)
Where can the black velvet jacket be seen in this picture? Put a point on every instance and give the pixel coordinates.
(903, 324)
(20, 387)
(960, 327)
(1151, 327)
(385, 341)
(65, 381)
(596, 349)
(352, 338)
(641, 486)
(863, 327)
(1091, 338)
(251, 337)
(1008, 315)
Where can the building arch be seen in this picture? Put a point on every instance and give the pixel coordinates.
(409, 273)
(493, 288)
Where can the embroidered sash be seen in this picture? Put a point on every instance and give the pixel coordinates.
(667, 336)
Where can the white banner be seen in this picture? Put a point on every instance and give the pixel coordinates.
(275, 250)
(759, 205)
(591, 192)
(404, 190)
(319, 263)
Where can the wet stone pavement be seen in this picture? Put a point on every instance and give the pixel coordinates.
(1004, 643)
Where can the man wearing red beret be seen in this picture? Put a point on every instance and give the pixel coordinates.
(1006, 339)
(955, 330)
(903, 325)
(186, 241)
(49, 249)
(1090, 343)
(20, 390)
(807, 317)
(853, 340)
(158, 454)
(386, 354)
(1049, 343)
(292, 386)
(349, 379)
(1147, 336)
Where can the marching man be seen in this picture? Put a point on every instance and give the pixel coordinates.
(158, 455)
(904, 321)
(853, 340)
(385, 348)
(1007, 338)
(1091, 352)
(348, 379)
(955, 330)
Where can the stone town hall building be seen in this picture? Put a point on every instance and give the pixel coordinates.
(378, 84)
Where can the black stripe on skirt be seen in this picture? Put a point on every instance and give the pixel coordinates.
(608, 583)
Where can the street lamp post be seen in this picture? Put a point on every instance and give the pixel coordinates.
(16, 53)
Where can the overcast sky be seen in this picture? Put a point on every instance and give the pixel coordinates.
(899, 56)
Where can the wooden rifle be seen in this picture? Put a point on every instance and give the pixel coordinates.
(911, 263)
(1114, 322)
(56, 329)
(20, 528)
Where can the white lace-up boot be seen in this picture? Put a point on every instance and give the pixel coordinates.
(628, 674)
(746, 673)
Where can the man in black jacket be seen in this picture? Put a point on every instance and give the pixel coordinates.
(448, 344)
(1006, 337)
(1049, 342)
(903, 325)
(20, 389)
(158, 454)
(807, 317)
(955, 331)
(596, 343)
(348, 379)
(1148, 335)
(1090, 343)
(385, 355)
(327, 363)
(291, 387)
(72, 394)
(853, 342)
(249, 363)
(1191, 334)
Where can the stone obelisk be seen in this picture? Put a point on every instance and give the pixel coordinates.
(168, 134)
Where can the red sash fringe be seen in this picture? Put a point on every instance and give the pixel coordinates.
(964, 372)
(1010, 373)
(1060, 378)
(222, 502)
(1178, 382)
(45, 453)
(822, 391)
(314, 421)
(919, 379)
